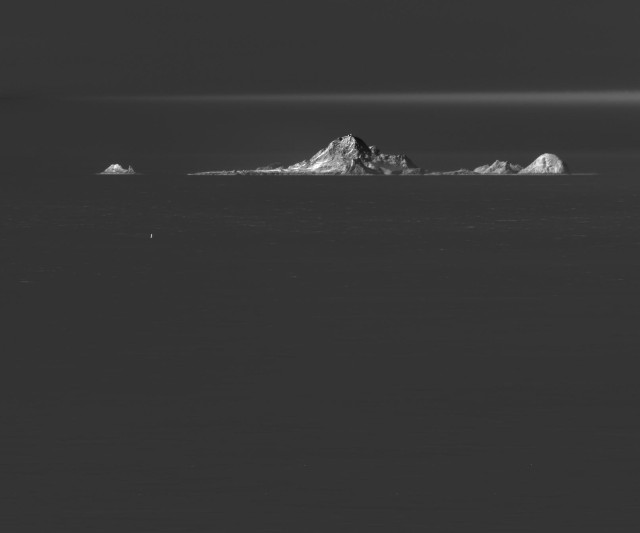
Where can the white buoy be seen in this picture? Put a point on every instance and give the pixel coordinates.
(151, 236)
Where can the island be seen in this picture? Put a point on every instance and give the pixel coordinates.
(499, 167)
(350, 155)
(117, 169)
(544, 164)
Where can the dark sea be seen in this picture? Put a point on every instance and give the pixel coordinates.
(320, 354)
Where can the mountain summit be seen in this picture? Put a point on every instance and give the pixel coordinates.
(546, 164)
(351, 155)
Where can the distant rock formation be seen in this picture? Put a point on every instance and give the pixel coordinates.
(390, 164)
(117, 169)
(546, 164)
(414, 171)
(271, 166)
(498, 167)
(459, 172)
(351, 155)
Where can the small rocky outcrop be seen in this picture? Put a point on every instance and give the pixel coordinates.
(546, 164)
(117, 169)
(417, 171)
(458, 172)
(499, 167)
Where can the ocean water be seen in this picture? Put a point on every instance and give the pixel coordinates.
(319, 354)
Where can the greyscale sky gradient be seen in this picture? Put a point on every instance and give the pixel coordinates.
(292, 47)
(595, 98)
(239, 84)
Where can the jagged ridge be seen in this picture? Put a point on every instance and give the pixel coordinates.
(499, 167)
(351, 155)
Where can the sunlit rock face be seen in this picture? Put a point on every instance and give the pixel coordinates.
(117, 169)
(499, 167)
(546, 164)
(351, 155)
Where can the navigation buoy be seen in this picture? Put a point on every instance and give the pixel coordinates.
(151, 235)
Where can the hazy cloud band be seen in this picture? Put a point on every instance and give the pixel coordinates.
(455, 98)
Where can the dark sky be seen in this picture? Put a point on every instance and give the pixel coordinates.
(171, 47)
(557, 49)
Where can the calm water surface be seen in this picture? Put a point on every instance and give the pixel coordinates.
(303, 354)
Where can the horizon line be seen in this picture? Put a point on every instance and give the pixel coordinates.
(603, 97)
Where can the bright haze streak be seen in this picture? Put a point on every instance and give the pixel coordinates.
(605, 98)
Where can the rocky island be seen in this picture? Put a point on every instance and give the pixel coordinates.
(117, 169)
(544, 164)
(350, 155)
(498, 167)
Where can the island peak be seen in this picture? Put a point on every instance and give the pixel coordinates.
(351, 155)
(546, 164)
(118, 169)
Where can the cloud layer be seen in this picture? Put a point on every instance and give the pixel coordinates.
(597, 98)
